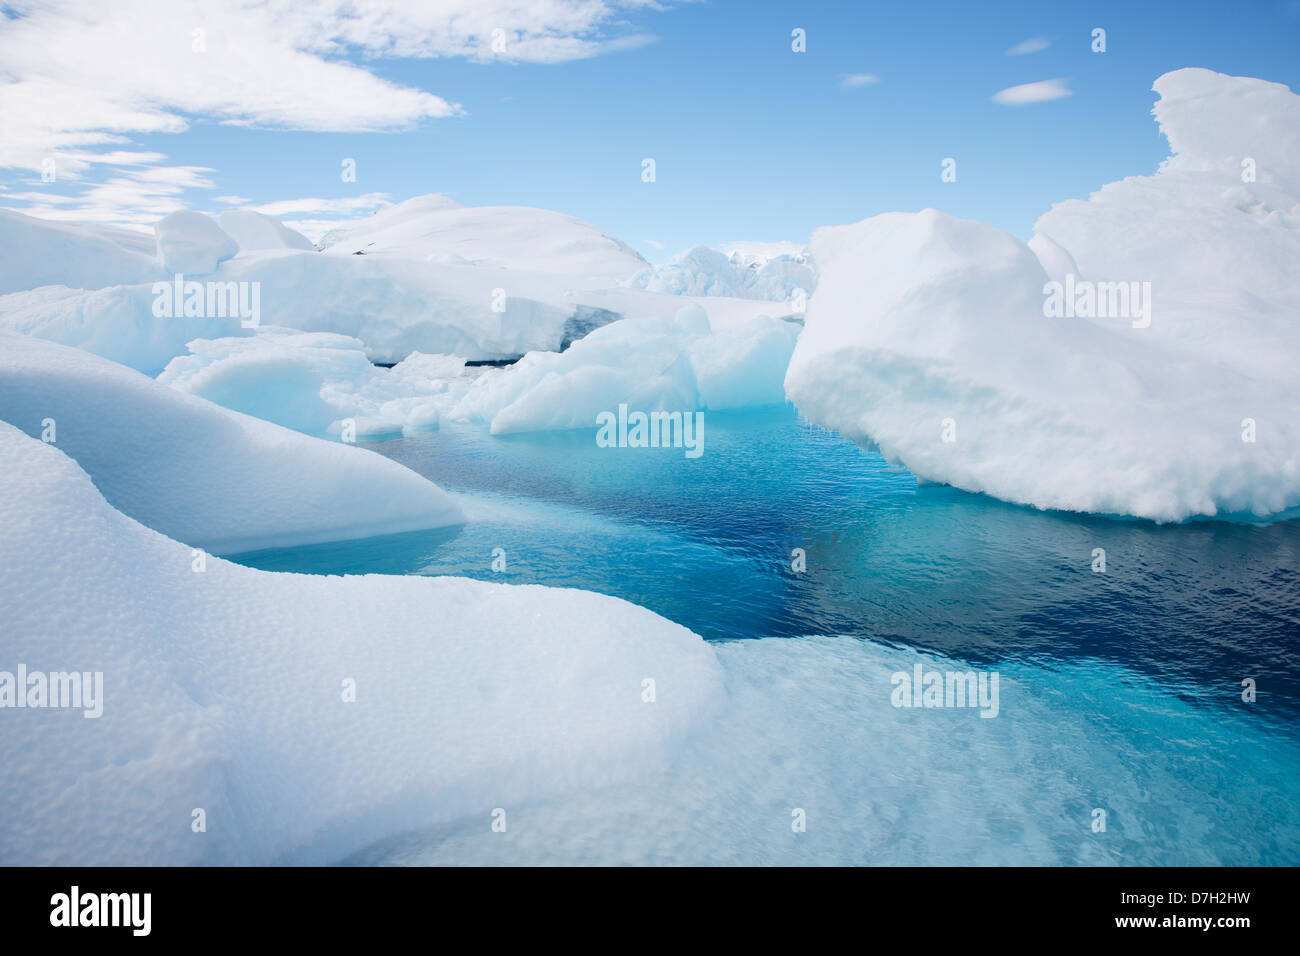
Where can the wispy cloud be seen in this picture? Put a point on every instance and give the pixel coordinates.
(853, 81)
(1025, 93)
(1032, 45)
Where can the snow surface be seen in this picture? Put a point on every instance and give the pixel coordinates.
(192, 243)
(82, 256)
(224, 691)
(922, 318)
(212, 478)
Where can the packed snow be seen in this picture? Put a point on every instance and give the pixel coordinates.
(212, 478)
(303, 716)
(1157, 380)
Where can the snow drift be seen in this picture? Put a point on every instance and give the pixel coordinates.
(228, 692)
(1165, 391)
(212, 478)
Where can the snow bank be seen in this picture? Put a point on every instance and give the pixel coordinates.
(190, 242)
(39, 253)
(305, 716)
(738, 272)
(255, 231)
(931, 336)
(198, 473)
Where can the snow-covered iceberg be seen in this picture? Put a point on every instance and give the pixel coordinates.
(487, 283)
(314, 381)
(678, 364)
(254, 231)
(251, 717)
(1137, 357)
(190, 242)
(212, 478)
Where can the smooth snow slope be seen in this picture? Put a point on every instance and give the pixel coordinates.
(81, 256)
(224, 691)
(201, 474)
(928, 336)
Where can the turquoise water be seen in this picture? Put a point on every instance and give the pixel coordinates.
(1129, 680)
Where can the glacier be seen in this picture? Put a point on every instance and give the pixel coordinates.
(928, 336)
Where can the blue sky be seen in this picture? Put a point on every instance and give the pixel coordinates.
(751, 140)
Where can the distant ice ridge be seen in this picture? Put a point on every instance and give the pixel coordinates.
(931, 337)
(424, 275)
(212, 478)
(300, 718)
(775, 272)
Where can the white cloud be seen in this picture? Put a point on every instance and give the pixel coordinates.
(1032, 45)
(79, 78)
(346, 204)
(852, 81)
(1040, 92)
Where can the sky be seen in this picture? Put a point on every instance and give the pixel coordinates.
(558, 103)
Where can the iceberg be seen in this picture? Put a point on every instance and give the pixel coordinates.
(650, 365)
(1162, 389)
(314, 381)
(192, 242)
(215, 479)
(251, 717)
(256, 231)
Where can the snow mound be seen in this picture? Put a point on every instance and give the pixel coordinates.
(740, 272)
(255, 231)
(190, 242)
(304, 716)
(313, 381)
(80, 256)
(649, 364)
(435, 229)
(198, 473)
(931, 336)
